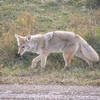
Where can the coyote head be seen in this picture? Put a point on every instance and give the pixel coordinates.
(23, 43)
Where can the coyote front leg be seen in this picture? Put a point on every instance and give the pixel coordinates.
(35, 61)
(41, 57)
(43, 62)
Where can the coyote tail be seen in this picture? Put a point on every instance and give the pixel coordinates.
(87, 50)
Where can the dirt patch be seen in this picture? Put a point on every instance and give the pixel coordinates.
(49, 92)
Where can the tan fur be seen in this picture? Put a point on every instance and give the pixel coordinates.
(67, 43)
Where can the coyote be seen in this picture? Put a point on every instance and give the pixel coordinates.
(67, 43)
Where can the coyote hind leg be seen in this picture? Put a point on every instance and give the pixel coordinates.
(67, 59)
(69, 53)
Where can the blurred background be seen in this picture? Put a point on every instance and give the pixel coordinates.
(41, 16)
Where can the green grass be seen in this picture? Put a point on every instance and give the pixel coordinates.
(72, 76)
(32, 16)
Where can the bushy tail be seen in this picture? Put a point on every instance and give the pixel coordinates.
(87, 50)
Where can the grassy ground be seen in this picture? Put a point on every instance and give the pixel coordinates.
(72, 76)
(33, 17)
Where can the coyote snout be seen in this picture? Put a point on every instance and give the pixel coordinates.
(68, 43)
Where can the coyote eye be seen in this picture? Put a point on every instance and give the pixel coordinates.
(23, 47)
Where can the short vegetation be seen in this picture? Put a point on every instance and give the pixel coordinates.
(41, 16)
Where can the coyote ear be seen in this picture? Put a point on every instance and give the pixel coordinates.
(28, 38)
